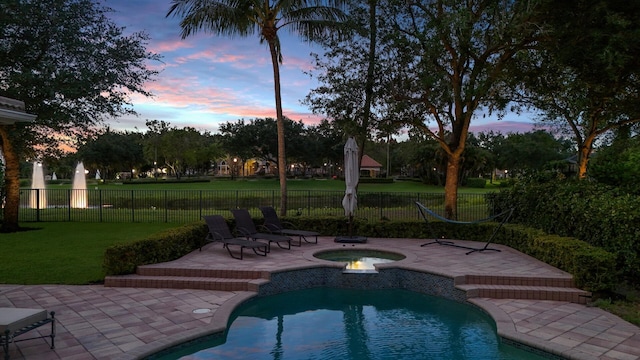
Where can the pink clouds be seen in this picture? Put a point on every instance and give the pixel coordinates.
(206, 79)
(170, 46)
(210, 55)
(188, 95)
(302, 63)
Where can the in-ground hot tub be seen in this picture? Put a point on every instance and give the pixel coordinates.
(359, 259)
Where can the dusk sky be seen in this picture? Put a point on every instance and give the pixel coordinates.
(206, 80)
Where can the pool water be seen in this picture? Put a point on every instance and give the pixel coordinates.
(328, 323)
(359, 259)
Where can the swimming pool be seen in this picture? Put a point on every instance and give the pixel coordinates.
(330, 323)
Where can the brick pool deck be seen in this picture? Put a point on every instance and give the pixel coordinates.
(134, 316)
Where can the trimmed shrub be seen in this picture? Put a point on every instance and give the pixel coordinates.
(160, 247)
(600, 215)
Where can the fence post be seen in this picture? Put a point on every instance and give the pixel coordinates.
(133, 208)
(38, 205)
(166, 207)
(308, 202)
(69, 205)
(100, 203)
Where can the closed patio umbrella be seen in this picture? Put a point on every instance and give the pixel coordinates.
(351, 178)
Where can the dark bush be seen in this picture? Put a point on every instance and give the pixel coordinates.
(160, 247)
(600, 215)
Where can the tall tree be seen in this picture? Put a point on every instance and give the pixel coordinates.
(585, 76)
(306, 18)
(352, 91)
(450, 59)
(255, 139)
(521, 153)
(112, 151)
(72, 67)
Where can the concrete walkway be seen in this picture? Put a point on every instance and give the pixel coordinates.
(104, 322)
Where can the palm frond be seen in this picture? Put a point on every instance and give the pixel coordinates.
(227, 18)
(311, 22)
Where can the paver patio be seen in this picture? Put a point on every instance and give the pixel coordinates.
(117, 322)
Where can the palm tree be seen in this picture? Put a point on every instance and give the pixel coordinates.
(306, 18)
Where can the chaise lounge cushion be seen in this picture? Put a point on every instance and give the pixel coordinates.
(14, 319)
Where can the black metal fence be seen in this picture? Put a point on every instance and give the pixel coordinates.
(182, 206)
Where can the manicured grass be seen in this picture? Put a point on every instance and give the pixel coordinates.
(273, 184)
(64, 253)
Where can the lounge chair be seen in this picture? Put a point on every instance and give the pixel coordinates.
(246, 227)
(17, 321)
(219, 232)
(273, 223)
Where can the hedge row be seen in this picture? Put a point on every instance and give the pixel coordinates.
(602, 216)
(160, 247)
(593, 268)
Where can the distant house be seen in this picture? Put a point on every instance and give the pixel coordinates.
(369, 167)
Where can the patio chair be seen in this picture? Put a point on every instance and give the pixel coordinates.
(504, 216)
(219, 232)
(17, 321)
(246, 227)
(273, 223)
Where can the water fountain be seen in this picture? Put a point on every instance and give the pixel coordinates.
(79, 188)
(38, 198)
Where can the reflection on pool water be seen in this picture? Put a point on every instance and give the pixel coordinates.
(360, 259)
(328, 323)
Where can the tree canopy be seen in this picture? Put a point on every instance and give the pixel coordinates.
(447, 60)
(72, 67)
(584, 76)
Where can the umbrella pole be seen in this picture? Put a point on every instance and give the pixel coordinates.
(351, 225)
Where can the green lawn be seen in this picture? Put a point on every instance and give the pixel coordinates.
(273, 184)
(64, 253)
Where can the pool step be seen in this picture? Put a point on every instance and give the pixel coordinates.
(522, 287)
(562, 281)
(203, 279)
(150, 270)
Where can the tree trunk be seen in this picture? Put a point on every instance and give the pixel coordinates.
(451, 187)
(11, 183)
(282, 159)
(583, 159)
